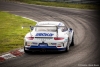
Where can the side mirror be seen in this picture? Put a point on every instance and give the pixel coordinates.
(70, 28)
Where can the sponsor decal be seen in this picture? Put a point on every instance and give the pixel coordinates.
(44, 34)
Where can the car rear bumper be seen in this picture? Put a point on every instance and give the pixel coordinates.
(47, 48)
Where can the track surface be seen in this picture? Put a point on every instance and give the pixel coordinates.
(84, 22)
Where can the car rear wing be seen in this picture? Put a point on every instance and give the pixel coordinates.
(32, 27)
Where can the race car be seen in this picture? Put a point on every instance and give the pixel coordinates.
(49, 35)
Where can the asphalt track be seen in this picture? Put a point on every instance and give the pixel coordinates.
(86, 28)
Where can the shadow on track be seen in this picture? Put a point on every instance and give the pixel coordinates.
(45, 53)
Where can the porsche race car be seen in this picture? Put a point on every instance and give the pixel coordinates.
(49, 35)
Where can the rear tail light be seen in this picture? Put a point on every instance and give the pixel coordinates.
(58, 38)
(58, 46)
(30, 38)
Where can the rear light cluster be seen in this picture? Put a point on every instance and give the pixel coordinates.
(59, 46)
(58, 38)
(30, 38)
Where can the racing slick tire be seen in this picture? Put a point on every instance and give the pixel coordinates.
(72, 43)
(67, 47)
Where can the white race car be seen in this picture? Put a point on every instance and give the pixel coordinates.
(49, 35)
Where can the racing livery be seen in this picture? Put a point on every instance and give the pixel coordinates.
(49, 35)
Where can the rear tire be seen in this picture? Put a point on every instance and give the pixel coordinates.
(72, 43)
(67, 47)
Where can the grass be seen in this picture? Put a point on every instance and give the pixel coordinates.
(59, 4)
(11, 34)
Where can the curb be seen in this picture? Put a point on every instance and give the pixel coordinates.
(11, 54)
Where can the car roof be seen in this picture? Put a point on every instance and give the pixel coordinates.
(56, 23)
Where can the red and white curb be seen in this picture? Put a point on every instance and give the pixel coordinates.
(11, 54)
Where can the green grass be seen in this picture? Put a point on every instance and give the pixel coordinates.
(11, 34)
(59, 4)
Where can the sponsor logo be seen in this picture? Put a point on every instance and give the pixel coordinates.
(44, 34)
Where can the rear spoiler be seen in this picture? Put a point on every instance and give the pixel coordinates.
(32, 27)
